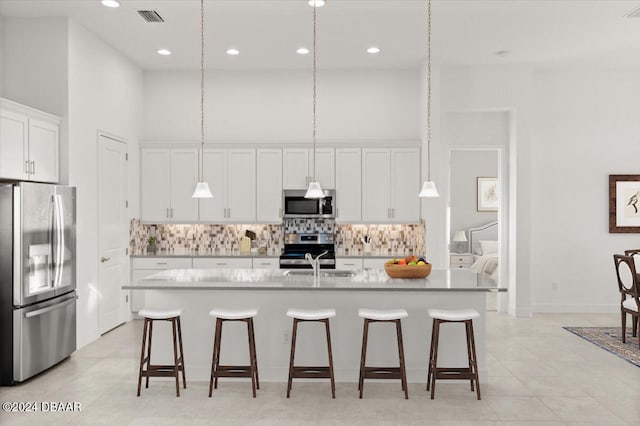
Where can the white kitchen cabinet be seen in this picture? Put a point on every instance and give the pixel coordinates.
(167, 180)
(348, 263)
(223, 262)
(231, 174)
(29, 143)
(348, 185)
(143, 267)
(297, 169)
(269, 185)
(266, 263)
(390, 184)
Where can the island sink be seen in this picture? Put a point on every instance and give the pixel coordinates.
(322, 273)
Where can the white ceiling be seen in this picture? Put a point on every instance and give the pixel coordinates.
(267, 33)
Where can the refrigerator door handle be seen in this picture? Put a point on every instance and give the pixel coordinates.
(50, 308)
(58, 241)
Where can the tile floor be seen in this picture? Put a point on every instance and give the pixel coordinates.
(539, 373)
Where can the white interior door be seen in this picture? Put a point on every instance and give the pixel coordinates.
(113, 232)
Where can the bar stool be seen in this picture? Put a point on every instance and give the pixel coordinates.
(387, 315)
(218, 370)
(466, 317)
(157, 370)
(306, 315)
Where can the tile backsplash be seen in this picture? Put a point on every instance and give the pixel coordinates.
(225, 239)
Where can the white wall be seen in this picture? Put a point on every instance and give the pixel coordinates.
(105, 94)
(587, 127)
(2, 42)
(277, 105)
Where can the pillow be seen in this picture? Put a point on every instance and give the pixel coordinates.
(489, 247)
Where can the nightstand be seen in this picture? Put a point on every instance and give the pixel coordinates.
(461, 260)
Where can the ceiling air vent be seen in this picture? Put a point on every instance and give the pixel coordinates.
(150, 16)
(635, 13)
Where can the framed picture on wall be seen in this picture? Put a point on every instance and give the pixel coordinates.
(488, 194)
(624, 203)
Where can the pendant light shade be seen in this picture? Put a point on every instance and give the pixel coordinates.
(428, 190)
(314, 191)
(429, 187)
(202, 191)
(202, 187)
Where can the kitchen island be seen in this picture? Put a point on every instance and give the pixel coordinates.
(273, 291)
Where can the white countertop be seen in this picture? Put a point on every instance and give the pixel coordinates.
(276, 279)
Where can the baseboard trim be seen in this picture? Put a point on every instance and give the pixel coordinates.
(561, 308)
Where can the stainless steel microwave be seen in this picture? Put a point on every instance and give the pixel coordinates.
(295, 205)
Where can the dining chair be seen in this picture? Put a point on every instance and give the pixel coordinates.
(628, 286)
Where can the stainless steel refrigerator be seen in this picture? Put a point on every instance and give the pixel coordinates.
(37, 278)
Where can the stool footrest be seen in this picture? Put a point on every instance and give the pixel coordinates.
(161, 370)
(310, 372)
(233, 371)
(382, 373)
(454, 373)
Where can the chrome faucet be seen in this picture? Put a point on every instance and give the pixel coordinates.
(315, 264)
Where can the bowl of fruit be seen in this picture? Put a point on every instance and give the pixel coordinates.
(408, 267)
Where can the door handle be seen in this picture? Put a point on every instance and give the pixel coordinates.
(27, 170)
(50, 308)
(104, 259)
(33, 167)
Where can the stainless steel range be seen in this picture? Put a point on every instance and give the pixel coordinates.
(296, 246)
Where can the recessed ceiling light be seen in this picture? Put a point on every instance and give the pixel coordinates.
(302, 51)
(111, 3)
(373, 49)
(233, 52)
(164, 52)
(316, 3)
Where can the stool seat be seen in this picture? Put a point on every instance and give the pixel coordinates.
(454, 314)
(382, 314)
(159, 314)
(233, 314)
(311, 314)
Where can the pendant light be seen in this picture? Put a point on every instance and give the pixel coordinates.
(314, 190)
(429, 187)
(202, 187)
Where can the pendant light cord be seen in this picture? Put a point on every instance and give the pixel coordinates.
(202, 89)
(429, 90)
(314, 92)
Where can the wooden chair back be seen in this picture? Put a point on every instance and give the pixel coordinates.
(627, 276)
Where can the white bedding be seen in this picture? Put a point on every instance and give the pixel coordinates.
(487, 264)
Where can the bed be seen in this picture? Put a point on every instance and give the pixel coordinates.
(483, 244)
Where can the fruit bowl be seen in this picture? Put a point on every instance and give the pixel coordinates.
(407, 271)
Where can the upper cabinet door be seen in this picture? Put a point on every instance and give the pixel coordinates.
(295, 168)
(349, 184)
(154, 185)
(325, 167)
(241, 185)
(215, 173)
(184, 175)
(269, 185)
(14, 145)
(405, 185)
(43, 150)
(376, 185)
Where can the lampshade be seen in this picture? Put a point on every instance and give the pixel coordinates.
(460, 236)
(314, 190)
(202, 191)
(429, 190)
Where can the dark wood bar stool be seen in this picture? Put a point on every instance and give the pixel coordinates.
(218, 370)
(307, 372)
(464, 316)
(156, 370)
(388, 315)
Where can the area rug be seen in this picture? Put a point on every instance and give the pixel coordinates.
(610, 339)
